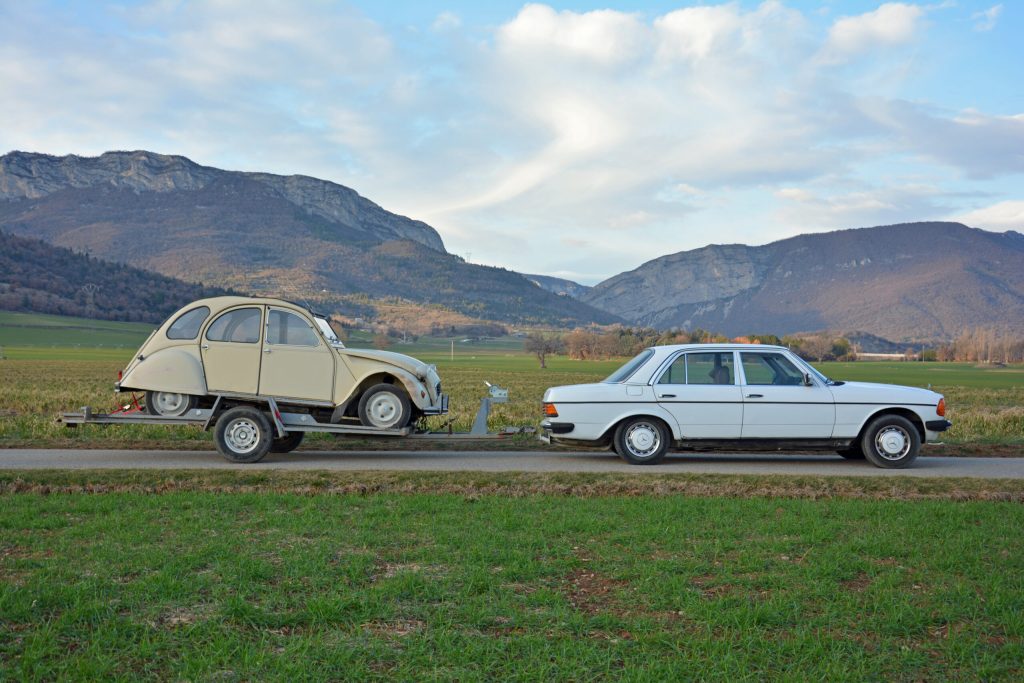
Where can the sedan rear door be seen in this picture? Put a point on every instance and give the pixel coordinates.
(700, 390)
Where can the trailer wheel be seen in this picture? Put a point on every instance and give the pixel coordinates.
(169, 403)
(243, 435)
(288, 443)
(385, 406)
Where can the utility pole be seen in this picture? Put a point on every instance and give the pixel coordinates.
(453, 349)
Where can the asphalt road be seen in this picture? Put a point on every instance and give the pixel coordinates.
(490, 461)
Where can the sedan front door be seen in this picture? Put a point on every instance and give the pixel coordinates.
(700, 391)
(777, 404)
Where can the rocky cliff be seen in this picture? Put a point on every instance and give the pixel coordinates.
(34, 176)
(915, 281)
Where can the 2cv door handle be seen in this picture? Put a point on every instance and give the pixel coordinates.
(205, 347)
(266, 349)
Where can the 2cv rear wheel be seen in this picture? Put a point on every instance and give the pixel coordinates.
(169, 403)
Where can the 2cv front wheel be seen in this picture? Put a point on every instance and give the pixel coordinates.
(385, 406)
(243, 435)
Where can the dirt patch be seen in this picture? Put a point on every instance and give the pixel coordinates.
(397, 628)
(857, 584)
(180, 617)
(591, 592)
(387, 570)
(709, 587)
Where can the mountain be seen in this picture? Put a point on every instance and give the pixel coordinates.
(293, 236)
(39, 277)
(907, 282)
(557, 285)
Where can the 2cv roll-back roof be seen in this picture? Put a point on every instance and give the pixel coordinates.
(216, 304)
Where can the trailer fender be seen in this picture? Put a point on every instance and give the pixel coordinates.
(177, 369)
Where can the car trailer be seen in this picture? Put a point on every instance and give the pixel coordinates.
(246, 430)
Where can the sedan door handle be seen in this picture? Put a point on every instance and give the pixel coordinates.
(666, 396)
(755, 395)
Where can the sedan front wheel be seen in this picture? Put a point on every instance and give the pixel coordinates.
(641, 440)
(891, 441)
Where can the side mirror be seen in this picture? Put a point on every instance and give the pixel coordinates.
(807, 379)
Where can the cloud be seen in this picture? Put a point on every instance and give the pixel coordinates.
(1005, 215)
(891, 24)
(986, 19)
(619, 136)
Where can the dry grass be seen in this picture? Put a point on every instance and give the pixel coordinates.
(473, 485)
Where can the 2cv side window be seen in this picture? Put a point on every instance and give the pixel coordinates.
(286, 328)
(187, 325)
(240, 325)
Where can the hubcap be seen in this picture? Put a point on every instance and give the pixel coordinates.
(643, 439)
(242, 435)
(892, 442)
(168, 403)
(384, 409)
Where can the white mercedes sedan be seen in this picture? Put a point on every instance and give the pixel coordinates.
(740, 396)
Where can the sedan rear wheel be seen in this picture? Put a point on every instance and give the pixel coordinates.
(169, 403)
(641, 440)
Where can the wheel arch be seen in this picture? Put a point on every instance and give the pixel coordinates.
(395, 376)
(909, 414)
(661, 416)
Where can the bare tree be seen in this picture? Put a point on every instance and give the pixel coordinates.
(541, 344)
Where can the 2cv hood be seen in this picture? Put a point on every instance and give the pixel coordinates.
(416, 367)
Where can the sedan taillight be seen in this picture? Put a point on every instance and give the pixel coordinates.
(550, 410)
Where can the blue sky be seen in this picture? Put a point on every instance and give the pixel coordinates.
(570, 139)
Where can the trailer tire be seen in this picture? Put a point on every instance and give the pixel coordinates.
(287, 443)
(243, 435)
(169, 403)
(385, 406)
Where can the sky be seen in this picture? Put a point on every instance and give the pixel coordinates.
(576, 139)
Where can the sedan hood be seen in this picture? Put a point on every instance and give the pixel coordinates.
(416, 367)
(869, 392)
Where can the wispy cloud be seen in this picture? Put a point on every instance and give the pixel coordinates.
(986, 20)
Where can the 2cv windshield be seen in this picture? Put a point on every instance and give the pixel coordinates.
(327, 330)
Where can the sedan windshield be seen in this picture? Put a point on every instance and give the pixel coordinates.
(627, 370)
(327, 330)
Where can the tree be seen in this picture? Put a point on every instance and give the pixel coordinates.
(381, 341)
(541, 344)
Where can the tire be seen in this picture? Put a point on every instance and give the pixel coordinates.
(891, 442)
(852, 452)
(385, 406)
(641, 440)
(169, 403)
(243, 435)
(288, 443)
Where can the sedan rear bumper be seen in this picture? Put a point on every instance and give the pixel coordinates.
(938, 425)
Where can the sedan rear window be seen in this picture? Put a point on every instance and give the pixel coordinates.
(187, 325)
(627, 370)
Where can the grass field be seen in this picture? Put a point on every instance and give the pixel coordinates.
(279, 585)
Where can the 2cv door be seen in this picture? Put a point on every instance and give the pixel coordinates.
(296, 361)
(231, 351)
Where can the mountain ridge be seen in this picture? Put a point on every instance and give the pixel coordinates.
(906, 282)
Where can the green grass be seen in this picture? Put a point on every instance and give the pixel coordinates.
(278, 586)
(60, 332)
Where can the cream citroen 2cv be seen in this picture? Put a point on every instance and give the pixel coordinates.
(244, 353)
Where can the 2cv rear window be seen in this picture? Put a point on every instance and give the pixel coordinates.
(187, 325)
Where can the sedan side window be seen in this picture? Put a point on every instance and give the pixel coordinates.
(187, 325)
(770, 368)
(710, 368)
(287, 328)
(676, 373)
(241, 325)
